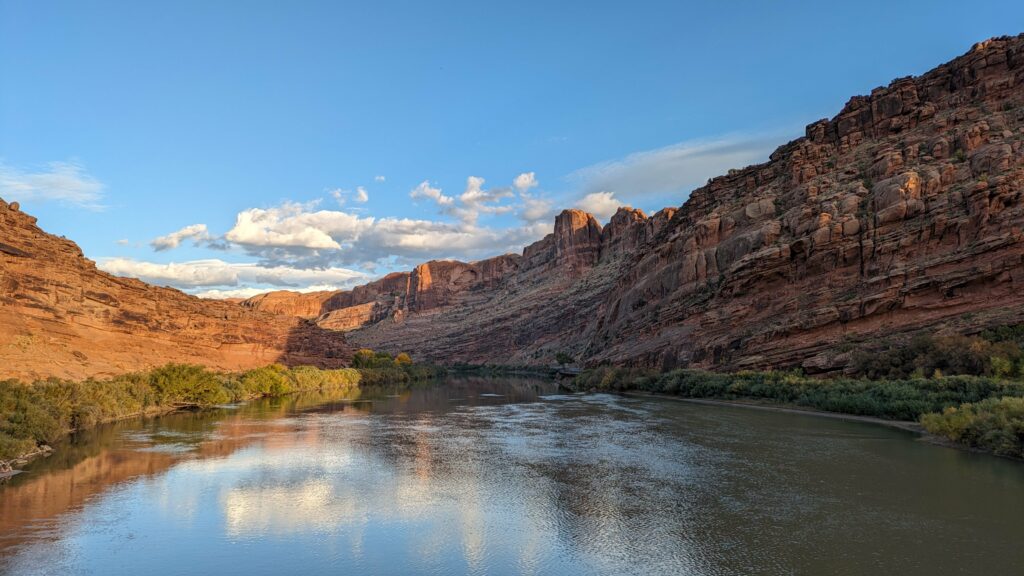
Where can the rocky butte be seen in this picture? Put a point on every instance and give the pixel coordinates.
(901, 214)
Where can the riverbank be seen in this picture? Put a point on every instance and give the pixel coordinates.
(981, 413)
(907, 425)
(501, 370)
(35, 415)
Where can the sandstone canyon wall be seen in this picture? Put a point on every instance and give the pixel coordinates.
(902, 213)
(60, 316)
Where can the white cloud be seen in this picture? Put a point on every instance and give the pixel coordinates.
(218, 273)
(475, 193)
(416, 240)
(196, 232)
(379, 179)
(476, 200)
(297, 235)
(292, 225)
(341, 196)
(677, 168)
(525, 181)
(425, 190)
(244, 293)
(66, 182)
(601, 204)
(123, 242)
(535, 209)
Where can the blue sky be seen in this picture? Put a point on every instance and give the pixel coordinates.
(226, 148)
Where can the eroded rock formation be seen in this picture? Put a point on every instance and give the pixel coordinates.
(902, 213)
(60, 316)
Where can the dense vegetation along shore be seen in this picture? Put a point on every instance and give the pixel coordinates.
(976, 411)
(33, 415)
(973, 393)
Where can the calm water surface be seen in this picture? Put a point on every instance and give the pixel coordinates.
(506, 476)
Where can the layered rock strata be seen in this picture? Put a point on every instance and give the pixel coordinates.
(61, 316)
(902, 213)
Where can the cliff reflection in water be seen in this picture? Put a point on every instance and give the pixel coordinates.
(271, 440)
(505, 476)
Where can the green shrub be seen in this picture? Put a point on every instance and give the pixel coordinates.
(996, 353)
(186, 384)
(43, 411)
(272, 380)
(993, 424)
(904, 399)
(563, 358)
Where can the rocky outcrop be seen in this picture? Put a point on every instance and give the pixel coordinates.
(301, 304)
(902, 213)
(60, 316)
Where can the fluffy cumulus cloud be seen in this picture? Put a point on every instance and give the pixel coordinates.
(477, 200)
(304, 246)
(294, 225)
(65, 182)
(601, 204)
(476, 195)
(675, 169)
(525, 181)
(533, 209)
(536, 209)
(303, 235)
(415, 240)
(196, 232)
(243, 293)
(215, 272)
(426, 191)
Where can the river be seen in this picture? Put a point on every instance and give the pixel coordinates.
(507, 476)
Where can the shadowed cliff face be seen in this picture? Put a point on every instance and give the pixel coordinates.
(902, 213)
(60, 316)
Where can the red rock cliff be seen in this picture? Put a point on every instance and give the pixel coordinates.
(60, 316)
(902, 213)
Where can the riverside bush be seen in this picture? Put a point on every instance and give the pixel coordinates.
(43, 411)
(982, 412)
(993, 424)
(996, 352)
(891, 399)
